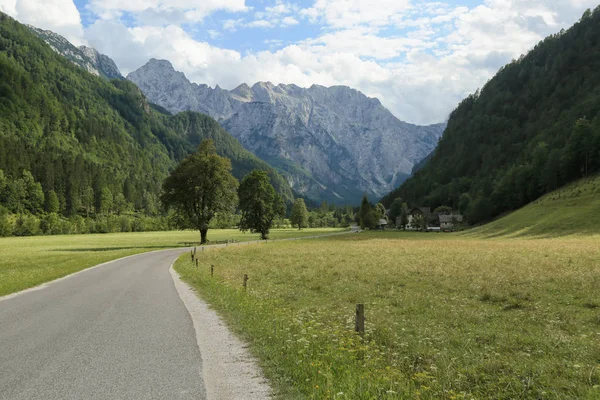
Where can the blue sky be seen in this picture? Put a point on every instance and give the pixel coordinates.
(420, 58)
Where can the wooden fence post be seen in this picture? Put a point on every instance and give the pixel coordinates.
(212, 270)
(194, 251)
(245, 281)
(192, 255)
(196, 263)
(360, 319)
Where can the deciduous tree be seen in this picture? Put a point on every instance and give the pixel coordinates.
(299, 216)
(199, 188)
(260, 203)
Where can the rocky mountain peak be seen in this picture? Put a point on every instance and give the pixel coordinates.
(331, 143)
(86, 57)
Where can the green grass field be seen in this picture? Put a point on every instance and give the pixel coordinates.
(29, 261)
(448, 317)
(572, 210)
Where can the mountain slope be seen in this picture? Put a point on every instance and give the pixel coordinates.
(570, 210)
(332, 143)
(86, 57)
(91, 141)
(533, 128)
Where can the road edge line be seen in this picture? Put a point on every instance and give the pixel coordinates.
(44, 285)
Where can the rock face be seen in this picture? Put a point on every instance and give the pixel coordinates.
(331, 143)
(86, 57)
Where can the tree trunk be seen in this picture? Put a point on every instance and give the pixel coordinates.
(203, 233)
(263, 235)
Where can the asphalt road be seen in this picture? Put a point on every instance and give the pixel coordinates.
(119, 331)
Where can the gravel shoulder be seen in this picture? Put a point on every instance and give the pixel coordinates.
(229, 372)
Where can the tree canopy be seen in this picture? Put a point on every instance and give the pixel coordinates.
(260, 204)
(299, 215)
(200, 188)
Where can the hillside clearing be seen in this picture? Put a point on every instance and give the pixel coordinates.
(572, 210)
(447, 317)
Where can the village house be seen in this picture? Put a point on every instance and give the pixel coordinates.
(447, 222)
(382, 224)
(433, 221)
(417, 214)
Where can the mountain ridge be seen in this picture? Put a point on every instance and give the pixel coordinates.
(332, 143)
(87, 58)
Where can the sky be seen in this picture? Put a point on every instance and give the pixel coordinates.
(420, 58)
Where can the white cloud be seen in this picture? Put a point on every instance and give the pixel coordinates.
(419, 58)
(260, 23)
(162, 12)
(348, 13)
(60, 16)
(289, 21)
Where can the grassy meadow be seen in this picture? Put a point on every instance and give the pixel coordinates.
(29, 261)
(447, 317)
(572, 210)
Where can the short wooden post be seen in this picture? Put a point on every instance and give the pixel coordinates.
(196, 263)
(192, 255)
(360, 319)
(245, 281)
(212, 270)
(194, 251)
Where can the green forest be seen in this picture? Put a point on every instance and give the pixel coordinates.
(531, 129)
(75, 147)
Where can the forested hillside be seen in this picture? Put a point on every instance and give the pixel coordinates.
(77, 144)
(533, 128)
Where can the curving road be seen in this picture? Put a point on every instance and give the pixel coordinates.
(119, 331)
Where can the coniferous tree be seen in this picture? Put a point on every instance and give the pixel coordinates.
(52, 204)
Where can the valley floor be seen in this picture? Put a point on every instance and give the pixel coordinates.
(446, 316)
(26, 262)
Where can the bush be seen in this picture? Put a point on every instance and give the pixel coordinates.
(124, 223)
(27, 225)
(50, 224)
(6, 225)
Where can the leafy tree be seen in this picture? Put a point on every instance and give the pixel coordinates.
(396, 209)
(5, 225)
(371, 220)
(419, 222)
(106, 200)
(479, 210)
(404, 216)
(380, 210)
(299, 216)
(463, 205)
(200, 188)
(52, 204)
(443, 210)
(260, 203)
(87, 200)
(34, 195)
